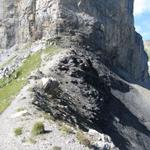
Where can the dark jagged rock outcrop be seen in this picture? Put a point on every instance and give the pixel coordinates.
(81, 95)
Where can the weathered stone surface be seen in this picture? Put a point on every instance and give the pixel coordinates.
(84, 97)
(49, 85)
(102, 25)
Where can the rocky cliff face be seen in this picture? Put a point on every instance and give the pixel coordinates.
(106, 26)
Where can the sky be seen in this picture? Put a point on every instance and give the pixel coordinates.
(142, 17)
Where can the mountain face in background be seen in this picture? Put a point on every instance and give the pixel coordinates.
(88, 83)
(147, 47)
(105, 26)
(147, 43)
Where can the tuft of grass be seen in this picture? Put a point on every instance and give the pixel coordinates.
(32, 141)
(48, 117)
(66, 129)
(38, 128)
(20, 109)
(56, 148)
(18, 131)
(81, 137)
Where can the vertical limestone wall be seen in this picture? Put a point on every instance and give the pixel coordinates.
(103, 25)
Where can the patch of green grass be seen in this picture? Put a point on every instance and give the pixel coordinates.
(56, 148)
(81, 137)
(9, 87)
(18, 131)
(20, 109)
(38, 128)
(7, 80)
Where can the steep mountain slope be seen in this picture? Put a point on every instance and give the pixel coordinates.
(83, 85)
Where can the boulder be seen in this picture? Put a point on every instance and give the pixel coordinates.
(49, 85)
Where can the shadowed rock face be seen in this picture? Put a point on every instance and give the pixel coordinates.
(83, 96)
(105, 25)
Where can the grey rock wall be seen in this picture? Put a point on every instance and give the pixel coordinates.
(102, 25)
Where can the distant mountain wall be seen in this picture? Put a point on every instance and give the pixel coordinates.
(100, 25)
(147, 47)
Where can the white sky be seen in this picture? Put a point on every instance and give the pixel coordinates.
(141, 6)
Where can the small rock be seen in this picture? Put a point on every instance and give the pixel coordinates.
(49, 84)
